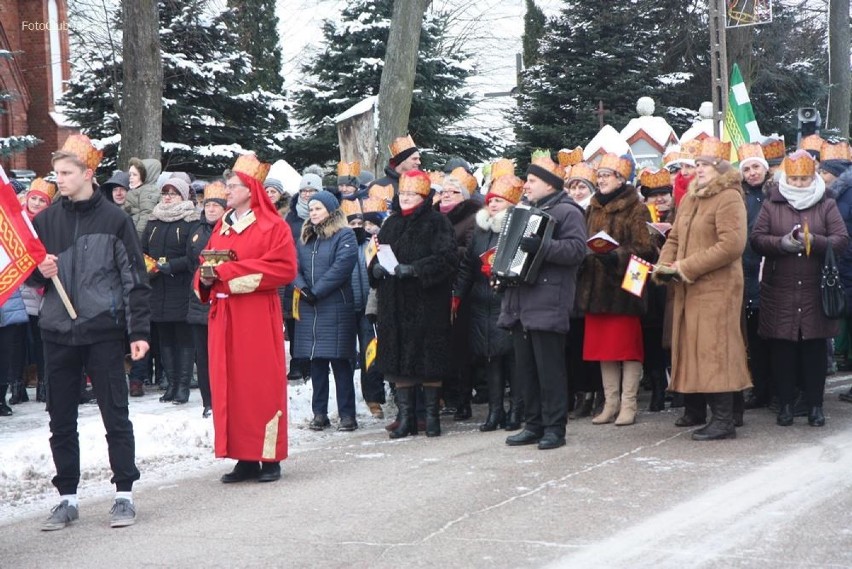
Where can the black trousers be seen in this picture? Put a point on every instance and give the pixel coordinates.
(104, 364)
(801, 363)
(758, 357)
(35, 350)
(542, 374)
(12, 350)
(583, 376)
(202, 362)
(302, 364)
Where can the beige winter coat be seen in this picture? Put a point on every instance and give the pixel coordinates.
(707, 241)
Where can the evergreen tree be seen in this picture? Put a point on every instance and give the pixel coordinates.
(534, 23)
(12, 144)
(256, 27)
(349, 69)
(210, 114)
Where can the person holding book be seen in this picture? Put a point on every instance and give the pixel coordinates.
(618, 223)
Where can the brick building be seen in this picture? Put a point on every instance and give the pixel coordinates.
(36, 32)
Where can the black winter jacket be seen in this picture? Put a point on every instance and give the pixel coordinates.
(101, 266)
(169, 299)
(197, 312)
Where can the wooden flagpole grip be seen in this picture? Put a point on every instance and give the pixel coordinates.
(64, 296)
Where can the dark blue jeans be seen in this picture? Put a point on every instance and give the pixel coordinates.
(344, 386)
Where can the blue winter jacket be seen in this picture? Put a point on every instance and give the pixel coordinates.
(841, 189)
(13, 311)
(327, 255)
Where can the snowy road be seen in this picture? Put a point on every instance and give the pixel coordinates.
(642, 496)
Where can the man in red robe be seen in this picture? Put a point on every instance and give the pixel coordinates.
(246, 338)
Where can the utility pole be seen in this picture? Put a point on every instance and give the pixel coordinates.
(718, 62)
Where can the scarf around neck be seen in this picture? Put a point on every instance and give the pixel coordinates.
(802, 198)
(184, 210)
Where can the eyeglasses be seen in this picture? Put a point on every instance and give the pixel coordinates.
(232, 187)
(451, 192)
(408, 194)
(175, 194)
(307, 191)
(604, 175)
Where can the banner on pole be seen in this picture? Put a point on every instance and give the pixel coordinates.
(748, 13)
(20, 249)
(740, 126)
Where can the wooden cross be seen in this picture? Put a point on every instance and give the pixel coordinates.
(601, 112)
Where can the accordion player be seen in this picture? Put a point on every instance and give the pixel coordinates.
(512, 266)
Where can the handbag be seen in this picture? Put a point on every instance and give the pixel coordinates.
(831, 288)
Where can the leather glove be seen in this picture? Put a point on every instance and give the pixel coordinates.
(309, 296)
(790, 245)
(530, 244)
(379, 272)
(405, 271)
(610, 259)
(164, 268)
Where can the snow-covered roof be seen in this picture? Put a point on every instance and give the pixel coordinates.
(287, 175)
(357, 109)
(700, 130)
(606, 140)
(654, 129)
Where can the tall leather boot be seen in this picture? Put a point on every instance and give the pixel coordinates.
(496, 414)
(433, 411)
(658, 391)
(405, 404)
(721, 425)
(611, 379)
(629, 392)
(167, 358)
(183, 373)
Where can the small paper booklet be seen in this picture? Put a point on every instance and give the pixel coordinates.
(602, 242)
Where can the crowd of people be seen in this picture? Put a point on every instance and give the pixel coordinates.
(708, 290)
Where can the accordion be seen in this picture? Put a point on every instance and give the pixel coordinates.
(511, 265)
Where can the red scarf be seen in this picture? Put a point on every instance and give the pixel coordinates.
(681, 185)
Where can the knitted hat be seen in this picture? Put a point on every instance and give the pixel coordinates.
(180, 185)
(365, 177)
(311, 181)
(373, 217)
(327, 199)
(456, 162)
(835, 167)
(274, 183)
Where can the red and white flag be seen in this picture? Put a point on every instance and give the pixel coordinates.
(20, 249)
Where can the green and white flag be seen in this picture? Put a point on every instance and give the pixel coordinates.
(740, 125)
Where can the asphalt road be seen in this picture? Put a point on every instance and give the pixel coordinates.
(640, 496)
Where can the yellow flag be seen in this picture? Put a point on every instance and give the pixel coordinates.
(297, 295)
(370, 353)
(636, 276)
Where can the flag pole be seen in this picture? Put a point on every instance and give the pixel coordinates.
(57, 284)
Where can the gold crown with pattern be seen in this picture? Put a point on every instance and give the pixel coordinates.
(541, 158)
(415, 181)
(352, 169)
(690, 149)
(502, 167)
(43, 186)
(671, 156)
(715, 149)
(773, 148)
(249, 165)
(569, 157)
(467, 180)
(81, 146)
(799, 163)
(812, 142)
(835, 151)
(215, 191)
(651, 178)
(401, 144)
(750, 150)
(371, 205)
(508, 186)
(582, 171)
(618, 164)
(350, 207)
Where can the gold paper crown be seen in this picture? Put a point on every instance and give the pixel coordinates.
(750, 150)
(401, 144)
(415, 181)
(381, 192)
(545, 162)
(652, 178)
(43, 186)
(350, 207)
(835, 151)
(690, 149)
(508, 186)
(812, 142)
(352, 169)
(570, 157)
(81, 146)
(712, 147)
(467, 180)
(617, 164)
(249, 165)
(582, 171)
(371, 205)
(436, 177)
(670, 157)
(215, 191)
(799, 163)
(773, 148)
(502, 167)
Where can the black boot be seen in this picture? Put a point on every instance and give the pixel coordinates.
(168, 355)
(269, 471)
(785, 415)
(244, 470)
(183, 373)
(515, 418)
(19, 393)
(496, 387)
(433, 408)
(5, 410)
(407, 423)
(722, 422)
(598, 403)
(496, 419)
(816, 417)
(658, 391)
(41, 391)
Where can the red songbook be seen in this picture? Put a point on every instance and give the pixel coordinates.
(487, 259)
(602, 242)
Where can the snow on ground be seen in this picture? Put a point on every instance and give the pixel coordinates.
(171, 441)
